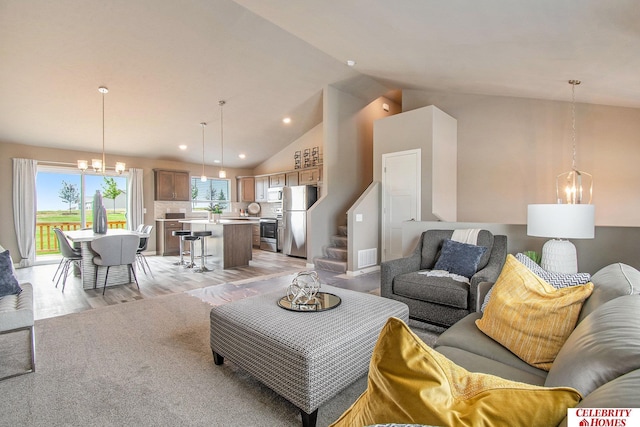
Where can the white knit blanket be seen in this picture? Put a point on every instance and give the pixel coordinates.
(444, 273)
(467, 235)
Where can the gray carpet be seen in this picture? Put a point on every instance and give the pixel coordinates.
(143, 363)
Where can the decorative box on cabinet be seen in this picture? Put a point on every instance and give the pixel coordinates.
(277, 180)
(309, 176)
(262, 184)
(171, 185)
(291, 179)
(246, 189)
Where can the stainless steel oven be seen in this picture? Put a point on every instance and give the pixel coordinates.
(269, 234)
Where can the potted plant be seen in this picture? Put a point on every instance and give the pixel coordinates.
(214, 211)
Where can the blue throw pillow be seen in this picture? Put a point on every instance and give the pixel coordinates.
(459, 258)
(8, 282)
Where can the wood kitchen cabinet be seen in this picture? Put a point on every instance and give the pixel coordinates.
(171, 185)
(277, 180)
(262, 184)
(291, 179)
(246, 189)
(309, 176)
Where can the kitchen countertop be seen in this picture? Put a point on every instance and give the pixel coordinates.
(223, 221)
(225, 218)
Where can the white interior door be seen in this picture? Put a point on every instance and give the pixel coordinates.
(400, 198)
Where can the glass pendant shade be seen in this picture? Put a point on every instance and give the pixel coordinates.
(96, 164)
(120, 167)
(222, 174)
(83, 165)
(574, 187)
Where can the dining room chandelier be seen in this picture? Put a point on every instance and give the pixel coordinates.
(99, 165)
(222, 173)
(575, 186)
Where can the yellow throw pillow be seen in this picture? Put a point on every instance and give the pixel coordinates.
(411, 383)
(529, 316)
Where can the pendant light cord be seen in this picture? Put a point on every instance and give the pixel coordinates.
(221, 103)
(573, 119)
(104, 164)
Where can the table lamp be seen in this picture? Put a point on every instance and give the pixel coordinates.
(560, 221)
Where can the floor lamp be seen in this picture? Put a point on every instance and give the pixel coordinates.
(560, 221)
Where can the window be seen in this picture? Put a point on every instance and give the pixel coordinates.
(206, 195)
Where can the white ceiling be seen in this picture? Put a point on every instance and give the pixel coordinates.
(168, 63)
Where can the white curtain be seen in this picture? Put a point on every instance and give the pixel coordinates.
(135, 201)
(25, 208)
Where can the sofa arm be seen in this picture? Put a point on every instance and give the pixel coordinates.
(390, 269)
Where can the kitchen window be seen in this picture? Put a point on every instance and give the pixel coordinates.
(205, 195)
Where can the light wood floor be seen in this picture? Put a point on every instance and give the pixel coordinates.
(166, 278)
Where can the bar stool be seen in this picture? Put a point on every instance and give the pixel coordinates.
(201, 235)
(191, 239)
(181, 233)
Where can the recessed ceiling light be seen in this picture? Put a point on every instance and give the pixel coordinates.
(286, 120)
(182, 147)
(351, 62)
(242, 155)
(216, 161)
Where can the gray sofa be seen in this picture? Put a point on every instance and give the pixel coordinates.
(440, 300)
(601, 357)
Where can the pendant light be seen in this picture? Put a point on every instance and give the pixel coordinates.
(203, 177)
(574, 187)
(222, 173)
(99, 165)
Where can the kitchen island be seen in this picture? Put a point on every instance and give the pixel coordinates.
(230, 244)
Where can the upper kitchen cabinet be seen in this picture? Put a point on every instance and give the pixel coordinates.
(291, 179)
(262, 184)
(171, 185)
(277, 180)
(309, 176)
(246, 189)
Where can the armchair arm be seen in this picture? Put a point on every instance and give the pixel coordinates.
(491, 271)
(390, 269)
(483, 290)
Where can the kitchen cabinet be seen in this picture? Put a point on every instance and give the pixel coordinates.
(171, 185)
(255, 235)
(277, 180)
(246, 189)
(262, 184)
(166, 242)
(291, 179)
(309, 176)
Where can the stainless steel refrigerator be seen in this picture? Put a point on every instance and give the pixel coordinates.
(295, 202)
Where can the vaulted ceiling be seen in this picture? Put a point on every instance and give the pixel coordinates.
(168, 63)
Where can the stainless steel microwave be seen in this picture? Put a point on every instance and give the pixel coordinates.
(274, 194)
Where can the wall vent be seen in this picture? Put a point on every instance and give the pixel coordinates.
(367, 257)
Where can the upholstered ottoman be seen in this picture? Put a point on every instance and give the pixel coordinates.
(306, 357)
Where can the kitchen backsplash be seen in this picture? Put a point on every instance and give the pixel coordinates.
(160, 208)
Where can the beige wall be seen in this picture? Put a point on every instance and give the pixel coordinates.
(283, 160)
(511, 149)
(9, 151)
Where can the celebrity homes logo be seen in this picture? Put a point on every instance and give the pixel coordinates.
(603, 417)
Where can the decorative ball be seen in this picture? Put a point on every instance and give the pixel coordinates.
(303, 288)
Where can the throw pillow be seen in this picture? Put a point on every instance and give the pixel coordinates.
(8, 282)
(529, 316)
(409, 382)
(459, 258)
(557, 280)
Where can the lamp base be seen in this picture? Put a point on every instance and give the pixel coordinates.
(559, 256)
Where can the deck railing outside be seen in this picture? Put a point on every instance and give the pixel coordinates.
(46, 240)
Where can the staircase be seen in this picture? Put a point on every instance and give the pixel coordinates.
(335, 255)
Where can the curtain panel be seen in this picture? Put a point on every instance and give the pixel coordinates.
(25, 208)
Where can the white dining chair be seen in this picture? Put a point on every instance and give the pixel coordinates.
(115, 250)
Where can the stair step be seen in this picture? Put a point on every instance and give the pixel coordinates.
(339, 241)
(338, 253)
(329, 264)
(342, 230)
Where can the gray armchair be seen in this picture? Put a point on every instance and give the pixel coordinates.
(440, 301)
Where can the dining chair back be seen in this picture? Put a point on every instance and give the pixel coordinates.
(115, 250)
(69, 254)
(144, 242)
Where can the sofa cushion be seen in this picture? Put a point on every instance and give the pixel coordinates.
(529, 316)
(8, 282)
(610, 282)
(605, 345)
(432, 241)
(466, 336)
(409, 382)
(439, 290)
(459, 258)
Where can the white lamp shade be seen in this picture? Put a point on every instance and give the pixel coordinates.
(562, 221)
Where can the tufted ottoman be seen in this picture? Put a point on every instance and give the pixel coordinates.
(309, 357)
(16, 314)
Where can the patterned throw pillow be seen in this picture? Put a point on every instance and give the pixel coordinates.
(557, 280)
(459, 258)
(411, 383)
(8, 282)
(529, 316)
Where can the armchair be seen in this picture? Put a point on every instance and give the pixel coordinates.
(437, 300)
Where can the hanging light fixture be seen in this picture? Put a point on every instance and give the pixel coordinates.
(222, 173)
(99, 165)
(203, 177)
(574, 187)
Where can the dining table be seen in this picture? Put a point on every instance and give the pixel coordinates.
(118, 275)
